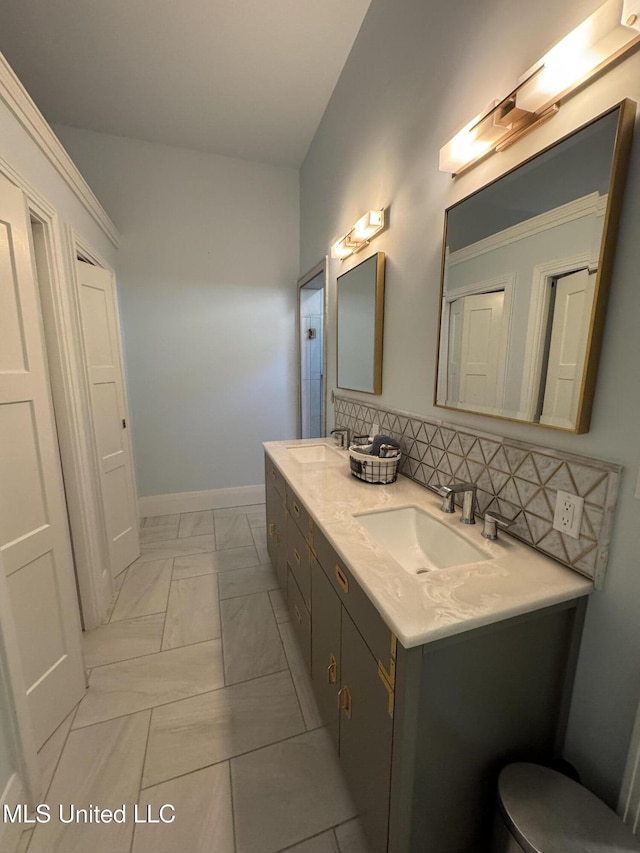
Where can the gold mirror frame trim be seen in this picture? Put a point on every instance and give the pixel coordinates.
(378, 328)
(619, 164)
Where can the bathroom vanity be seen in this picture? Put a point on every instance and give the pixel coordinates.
(428, 680)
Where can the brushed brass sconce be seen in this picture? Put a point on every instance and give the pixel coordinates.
(608, 34)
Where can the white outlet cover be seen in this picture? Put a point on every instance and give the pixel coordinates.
(568, 514)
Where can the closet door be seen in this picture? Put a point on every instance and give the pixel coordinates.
(34, 535)
(101, 340)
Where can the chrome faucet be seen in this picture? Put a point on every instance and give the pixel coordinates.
(492, 521)
(468, 491)
(343, 436)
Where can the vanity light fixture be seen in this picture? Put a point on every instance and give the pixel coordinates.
(360, 234)
(607, 35)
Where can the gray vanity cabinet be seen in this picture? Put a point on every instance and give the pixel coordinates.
(421, 732)
(356, 704)
(325, 649)
(276, 522)
(366, 734)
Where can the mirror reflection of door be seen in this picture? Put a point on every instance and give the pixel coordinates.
(311, 296)
(477, 330)
(569, 320)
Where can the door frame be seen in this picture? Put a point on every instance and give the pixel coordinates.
(321, 267)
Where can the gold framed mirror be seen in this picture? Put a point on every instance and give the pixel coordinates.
(360, 326)
(526, 271)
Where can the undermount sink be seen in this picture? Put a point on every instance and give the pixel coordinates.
(419, 542)
(314, 453)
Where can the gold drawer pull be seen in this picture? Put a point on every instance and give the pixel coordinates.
(297, 614)
(342, 579)
(296, 555)
(296, 509)
(273, 473)
(344, 701)
(272, 529)
(384, 678)
(332, 670)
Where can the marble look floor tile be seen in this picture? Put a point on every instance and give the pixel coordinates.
(196, 523)
(207, 729)
(123, 688)
(351, 838)
(119, 580)
(120, 640)
(279, 606)
(287, 792)
(50, 752)
(145, 590)
(300, 675)
(101, 765)
(203, 815)
(230, 511)
(216, 561)
(158, 532)
(252, 645)
(25, 838)
(175, 548)
(232, 532)
(256, 515)
(193, 615)
(260, 541)
(323, 843)
(247, 581)
(160, 520)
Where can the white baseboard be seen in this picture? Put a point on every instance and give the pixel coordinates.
(13, 795)
(198, 501)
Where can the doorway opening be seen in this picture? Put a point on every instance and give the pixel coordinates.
(312, 352)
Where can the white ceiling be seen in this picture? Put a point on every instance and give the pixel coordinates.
(244, 78)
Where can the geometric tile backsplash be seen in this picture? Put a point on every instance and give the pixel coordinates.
(518, 479)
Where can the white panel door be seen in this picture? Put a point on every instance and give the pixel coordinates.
(96, 291)
(569, 332)
(481, 375)
(34, 535)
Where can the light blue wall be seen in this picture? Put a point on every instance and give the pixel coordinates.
(206, 272)
(417, 73)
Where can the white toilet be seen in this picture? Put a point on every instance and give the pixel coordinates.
(543, 811)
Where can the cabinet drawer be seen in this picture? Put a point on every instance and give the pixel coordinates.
(272, 475)
(379, 638)
(300, 515)
(300, 619)
(298, 559)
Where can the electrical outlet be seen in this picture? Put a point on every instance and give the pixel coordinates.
(375, 430)
(568, 515)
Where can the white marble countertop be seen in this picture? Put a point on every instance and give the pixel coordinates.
(421, 608)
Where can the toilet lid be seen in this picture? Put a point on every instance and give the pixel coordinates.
(547, 812)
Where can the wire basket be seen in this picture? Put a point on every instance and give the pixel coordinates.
(373, 469)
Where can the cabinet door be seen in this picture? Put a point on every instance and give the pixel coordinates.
(325, 647)
(272, 500)
(300, 619)
(366, 730)
(276, 534)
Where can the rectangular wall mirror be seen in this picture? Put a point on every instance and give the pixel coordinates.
(360, 324)
(526, 271)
